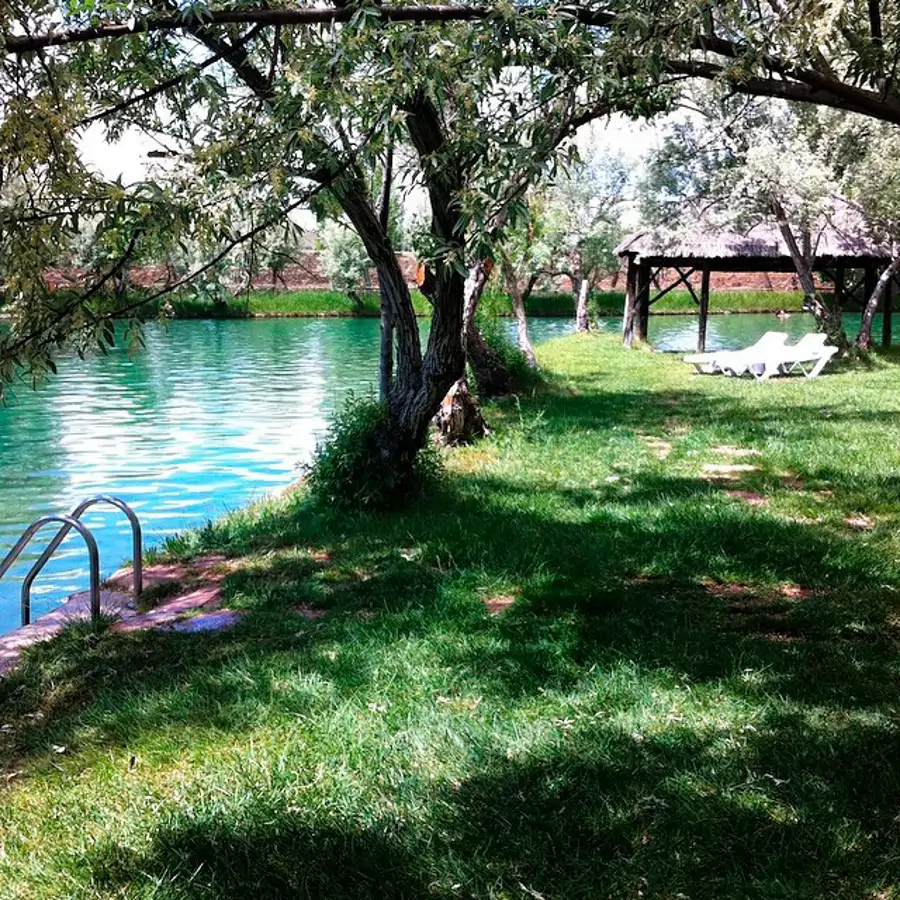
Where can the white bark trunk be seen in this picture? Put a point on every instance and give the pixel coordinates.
(864, 337)
(518, 305)
(582, 318)
(828, 320)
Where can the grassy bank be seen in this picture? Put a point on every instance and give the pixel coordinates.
(611, 303)
(301, 304)
(591, 666)
(334, 303)
(309, 304)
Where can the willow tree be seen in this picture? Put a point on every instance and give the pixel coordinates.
(258, 122)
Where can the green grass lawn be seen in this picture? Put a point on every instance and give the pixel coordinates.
(611, 303)
(335, 303)
(289, 303)
(584, 668)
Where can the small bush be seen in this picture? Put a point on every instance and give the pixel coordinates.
(350, 469)
(495, 335)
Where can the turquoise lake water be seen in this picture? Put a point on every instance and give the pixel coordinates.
(211, 415)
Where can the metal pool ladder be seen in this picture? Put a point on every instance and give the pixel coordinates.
(69, 522)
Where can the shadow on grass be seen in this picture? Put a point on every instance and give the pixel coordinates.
(672, 580)
(610, 815)
(636, 585)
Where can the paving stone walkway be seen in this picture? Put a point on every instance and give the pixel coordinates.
(193, 606)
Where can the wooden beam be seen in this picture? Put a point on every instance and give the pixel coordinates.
(852, 291)
(686, 276)
(762, 263)
(682, 279)
(839, 284)
(704, 310)
(870, 279)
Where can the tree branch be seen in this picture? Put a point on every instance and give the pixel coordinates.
(15, 44)
(175, 80)
(849, 99)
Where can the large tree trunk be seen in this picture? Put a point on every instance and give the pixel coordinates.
(386, 355)
(827, 318)
(420, 382)
(518, 304)
(582, 319)
(459, 420)
(386, 363)
(864, 337)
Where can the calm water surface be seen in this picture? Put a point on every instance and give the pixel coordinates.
(210, 416)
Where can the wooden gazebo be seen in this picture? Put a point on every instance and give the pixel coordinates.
(658, 261)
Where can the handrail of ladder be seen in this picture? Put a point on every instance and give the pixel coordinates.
(77, 513)
(93, 556)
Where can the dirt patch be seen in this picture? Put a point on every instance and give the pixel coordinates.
(657, 445)
(727, 471)
(726, 450)
(498, 603)
(731, 590)
(860, 523)
(310, 613)
(751, 498)
(166, 614)
(796, 592)
(204, 569)
(792, 482)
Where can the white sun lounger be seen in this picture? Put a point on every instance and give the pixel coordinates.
(736, 362)
(809, 355)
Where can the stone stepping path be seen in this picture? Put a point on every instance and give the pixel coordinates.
(656, 445)
(195, 606)
(76, 608)
(726, 472)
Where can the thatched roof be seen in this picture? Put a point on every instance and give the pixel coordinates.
(760, 242)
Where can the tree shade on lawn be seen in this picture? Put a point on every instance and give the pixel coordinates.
(644, 640)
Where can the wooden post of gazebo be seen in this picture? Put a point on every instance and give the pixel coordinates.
(870, 279)
(704, 308)
(839, 287)
(630, 304)
(643, 301)
(887, 314)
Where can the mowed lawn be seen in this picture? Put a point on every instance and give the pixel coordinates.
(588, 666)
